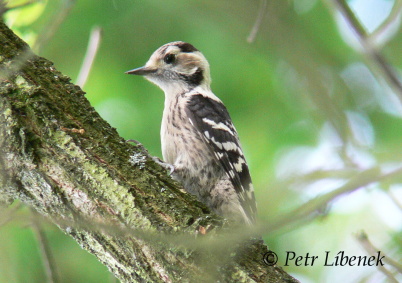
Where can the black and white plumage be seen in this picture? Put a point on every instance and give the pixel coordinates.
(197, 134)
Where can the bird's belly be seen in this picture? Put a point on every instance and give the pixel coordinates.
(184, 146)
(195, 166)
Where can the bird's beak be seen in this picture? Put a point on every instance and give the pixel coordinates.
(142, 71)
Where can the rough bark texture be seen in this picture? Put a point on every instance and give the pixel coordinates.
(60, 157)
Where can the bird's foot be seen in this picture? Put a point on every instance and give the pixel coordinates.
(167, 166)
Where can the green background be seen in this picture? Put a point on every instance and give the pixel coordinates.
(310, 107)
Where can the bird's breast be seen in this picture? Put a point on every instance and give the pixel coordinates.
(182, 143)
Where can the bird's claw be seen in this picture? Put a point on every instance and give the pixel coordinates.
(167, 166)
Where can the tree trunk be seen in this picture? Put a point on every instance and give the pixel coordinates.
(58, 156)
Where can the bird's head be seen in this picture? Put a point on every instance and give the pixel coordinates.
(176, 65)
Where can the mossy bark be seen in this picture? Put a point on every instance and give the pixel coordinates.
(58, 156)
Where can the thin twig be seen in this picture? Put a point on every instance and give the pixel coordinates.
(48, 261)
(92, 49)
(311, 208)
(393, 16)
(258, 21)
(113, 229)
(381, 64)
(362, 238)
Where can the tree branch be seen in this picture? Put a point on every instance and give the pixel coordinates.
(378, 60)
(47, 257)
(92, 50)
(261, 13)
(60, 157)
(363, 239)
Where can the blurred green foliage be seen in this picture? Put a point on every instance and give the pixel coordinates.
(311, 111)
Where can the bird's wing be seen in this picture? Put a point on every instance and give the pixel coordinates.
(211, 118)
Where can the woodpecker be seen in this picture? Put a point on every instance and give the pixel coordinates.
(197, 134)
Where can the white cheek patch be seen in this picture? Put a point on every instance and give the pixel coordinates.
(185, 71)
(187, 63)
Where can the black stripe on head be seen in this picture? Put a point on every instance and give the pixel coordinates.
(194, 79)
(186, 47)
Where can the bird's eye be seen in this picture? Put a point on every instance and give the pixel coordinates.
(169, 58)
